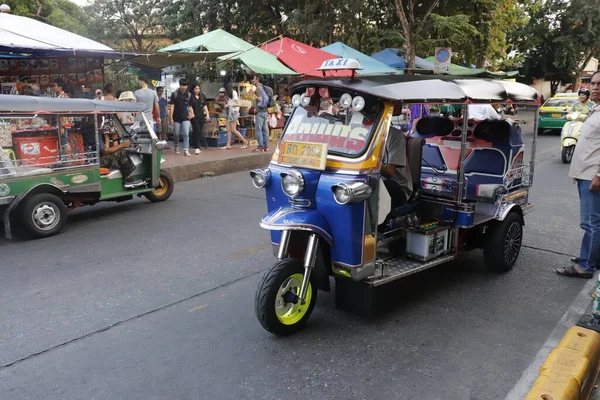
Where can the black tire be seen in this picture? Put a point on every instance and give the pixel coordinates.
(566, 155)
(43, 215)
(540, 131)
(267, 296)
(163, 192)
(503, 243)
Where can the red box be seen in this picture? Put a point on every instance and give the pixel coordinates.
(39, 151)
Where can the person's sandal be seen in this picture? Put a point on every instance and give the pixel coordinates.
(572, 272)
(245, 145)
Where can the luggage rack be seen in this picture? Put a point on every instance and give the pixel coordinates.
(11, 168)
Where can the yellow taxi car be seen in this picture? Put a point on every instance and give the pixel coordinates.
(553, 111)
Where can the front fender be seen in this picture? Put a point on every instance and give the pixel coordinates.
(285, 218)
(567, 142)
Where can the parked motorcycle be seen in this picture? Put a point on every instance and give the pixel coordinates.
(569, 135)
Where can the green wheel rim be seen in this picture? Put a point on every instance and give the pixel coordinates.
(289, 313)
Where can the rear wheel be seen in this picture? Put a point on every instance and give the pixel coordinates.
(43, 215)
(277, 305)
(503, 243)
(566, 154)
(165, 190)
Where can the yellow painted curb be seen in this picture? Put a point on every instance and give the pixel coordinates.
(571, 369)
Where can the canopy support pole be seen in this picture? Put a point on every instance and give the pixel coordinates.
(533, 145)
(463, 150)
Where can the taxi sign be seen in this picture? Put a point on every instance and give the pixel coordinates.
(303, 155)
(340, 63)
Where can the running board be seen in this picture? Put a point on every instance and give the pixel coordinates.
(394, 268)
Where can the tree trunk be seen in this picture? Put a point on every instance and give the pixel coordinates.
(553, 87)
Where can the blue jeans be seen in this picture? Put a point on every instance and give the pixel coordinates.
(262, 130)
(590, 223)
(184, 127)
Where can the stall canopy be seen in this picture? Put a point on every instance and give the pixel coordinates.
(26, 35)
(392, 58)
(302, 58)
(369, 65)
(458, 70)
(233, 48)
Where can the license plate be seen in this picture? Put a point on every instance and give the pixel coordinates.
(556, 115)
(304, 155)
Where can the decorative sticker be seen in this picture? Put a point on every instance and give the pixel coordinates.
(4, 189)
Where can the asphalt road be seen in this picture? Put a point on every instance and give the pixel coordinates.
(155, 301)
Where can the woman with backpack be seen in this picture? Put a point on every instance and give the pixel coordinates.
(233, 113)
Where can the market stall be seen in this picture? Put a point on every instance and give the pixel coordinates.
(252, 58)
(33, 55)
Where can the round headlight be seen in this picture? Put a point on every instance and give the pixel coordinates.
(358, 103)
(292, 183)
(342, 194)
(346, 100)
(304, 100)
(296, 100)
(260, 178)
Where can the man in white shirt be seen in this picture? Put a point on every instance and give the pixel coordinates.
(585, 170)
(481, 112)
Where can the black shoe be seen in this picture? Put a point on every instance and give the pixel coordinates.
(132, 182)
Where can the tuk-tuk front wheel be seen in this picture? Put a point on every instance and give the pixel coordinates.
(277, 303)
(164, 191)
(43, 215)
(566, 155)
(503, 243)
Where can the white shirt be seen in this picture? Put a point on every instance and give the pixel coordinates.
(482, 112)
(234, 100)
(586, 158)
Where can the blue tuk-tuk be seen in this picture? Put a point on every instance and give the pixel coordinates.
(331, 211)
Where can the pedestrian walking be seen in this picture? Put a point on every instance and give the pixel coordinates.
(585, 170)
(262, 104)
(233, 113)
(163, 127)
(180, 114)
(147, 96)
(200, 110)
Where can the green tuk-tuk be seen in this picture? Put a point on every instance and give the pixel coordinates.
(52, 151)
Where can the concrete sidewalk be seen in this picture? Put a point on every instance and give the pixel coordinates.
(214, 160)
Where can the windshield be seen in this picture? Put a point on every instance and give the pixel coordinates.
(346, 132)
(560, 103)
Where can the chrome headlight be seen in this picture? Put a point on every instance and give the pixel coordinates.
(292, 182)
(260, 177)
(352, 192)
(161, 145)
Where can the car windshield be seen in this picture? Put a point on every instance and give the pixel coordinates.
(560, 103)
(346, 132)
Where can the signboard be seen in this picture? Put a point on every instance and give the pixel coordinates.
(340, 64)
(442, 60)
(303, 155)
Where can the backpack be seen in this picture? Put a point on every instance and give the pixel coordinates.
(269, 92)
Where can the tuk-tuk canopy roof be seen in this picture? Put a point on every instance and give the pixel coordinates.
(423, 89)
(47, 105)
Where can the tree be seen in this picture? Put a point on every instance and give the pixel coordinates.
(137, 22)
(413, 18)
(63, 14)
(560, 38)
(578, 37)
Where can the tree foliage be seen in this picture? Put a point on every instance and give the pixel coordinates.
(559, 39)
(139, 23)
